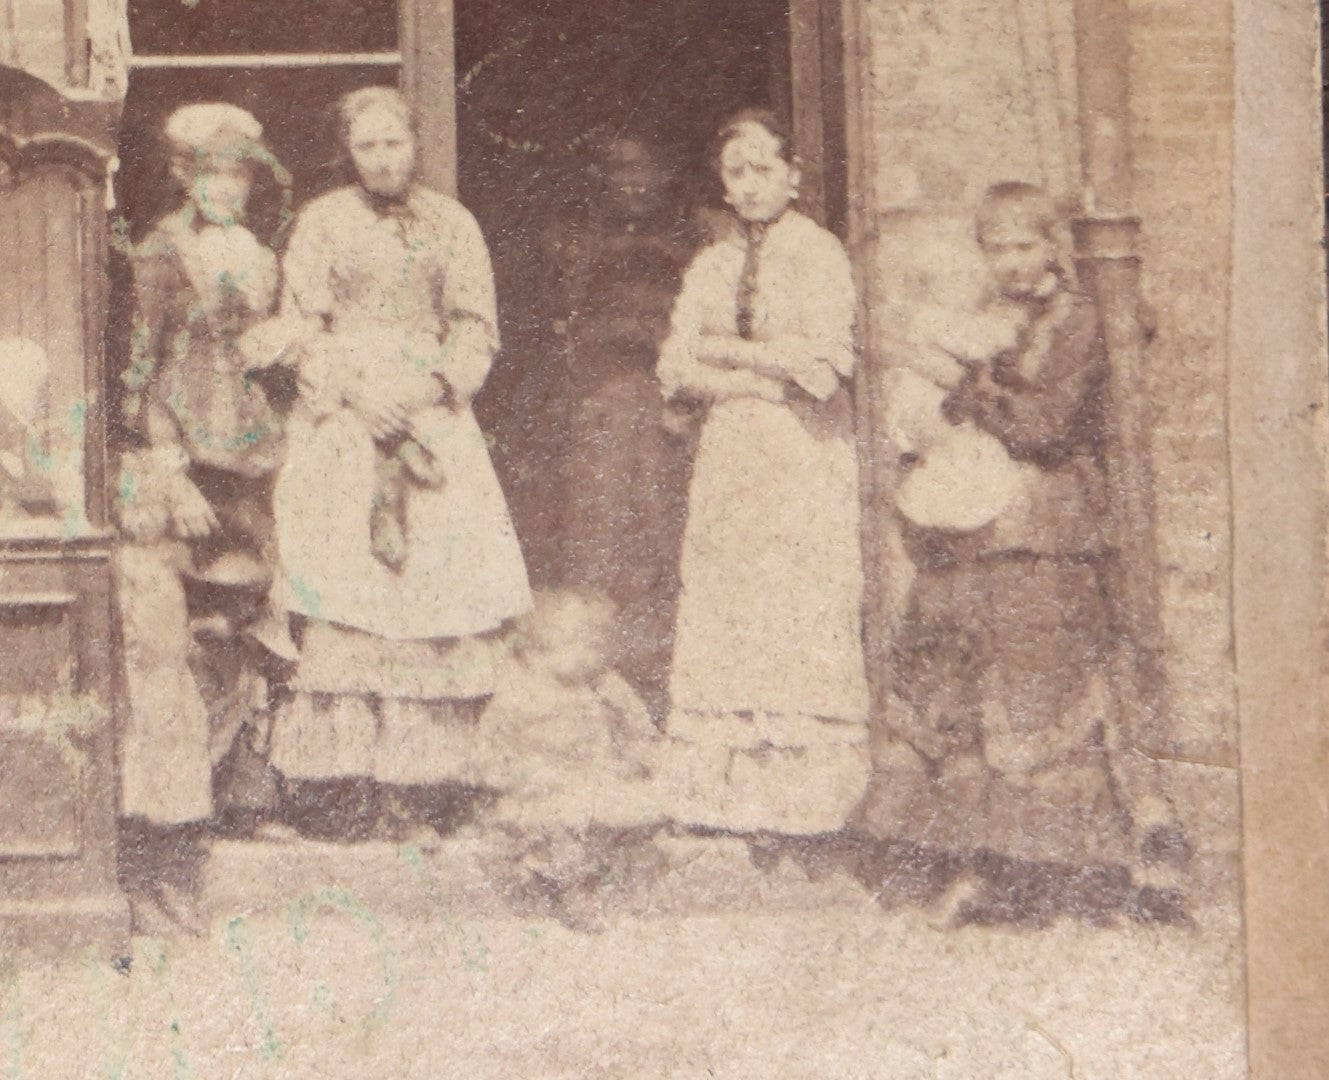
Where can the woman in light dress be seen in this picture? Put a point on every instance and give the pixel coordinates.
(398, 557)
(768, 691)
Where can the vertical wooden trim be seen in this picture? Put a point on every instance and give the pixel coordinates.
(429, 78)
(817, 48)
(77, 69)
(805, 62)
(1107, 244)
(1103, 56)
(861, 159)
(835, 163)
(93, 256)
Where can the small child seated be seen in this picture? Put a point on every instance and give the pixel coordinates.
(567, 741)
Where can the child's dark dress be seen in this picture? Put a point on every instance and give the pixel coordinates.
(1002, 657)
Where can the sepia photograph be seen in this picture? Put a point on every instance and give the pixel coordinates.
(762, 538)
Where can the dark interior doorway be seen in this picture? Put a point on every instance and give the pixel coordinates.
(540, 87)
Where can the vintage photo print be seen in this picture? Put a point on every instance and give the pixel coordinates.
(546, 539)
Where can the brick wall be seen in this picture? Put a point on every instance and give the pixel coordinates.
(966, 92)
(1182, 83)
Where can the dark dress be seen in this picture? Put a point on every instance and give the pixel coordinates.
(624, 476)
(1002, 659)
(204, 420)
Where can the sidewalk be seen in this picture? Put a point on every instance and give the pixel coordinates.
(385, 961)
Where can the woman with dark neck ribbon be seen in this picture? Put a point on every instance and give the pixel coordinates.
(398, 559)
(769, 698)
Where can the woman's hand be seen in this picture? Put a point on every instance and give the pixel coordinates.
(725, 351)
(382, 406)
(191, 514)
(785, 360)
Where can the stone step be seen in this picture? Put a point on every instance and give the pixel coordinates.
(493, 875)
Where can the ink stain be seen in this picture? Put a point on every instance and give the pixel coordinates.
(302, 911)
(241, 946)
(307, 596)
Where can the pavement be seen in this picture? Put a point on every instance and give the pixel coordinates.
(675, 956)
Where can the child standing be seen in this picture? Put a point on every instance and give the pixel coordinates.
(195, 496)
(1005, 650)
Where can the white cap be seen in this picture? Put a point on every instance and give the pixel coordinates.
(213, 129)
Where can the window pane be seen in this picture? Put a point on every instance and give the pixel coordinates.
(248, 26)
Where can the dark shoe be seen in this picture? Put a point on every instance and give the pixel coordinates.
(1159, 907)
(1166, 845)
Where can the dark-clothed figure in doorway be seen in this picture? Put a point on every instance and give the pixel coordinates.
(624, 474)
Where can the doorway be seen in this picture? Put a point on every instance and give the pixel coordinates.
(541, 89)
(537, 86)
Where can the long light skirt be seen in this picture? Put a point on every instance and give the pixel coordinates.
(796, 775)
(399, 712)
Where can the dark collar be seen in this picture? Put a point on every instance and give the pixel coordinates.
(386, 206)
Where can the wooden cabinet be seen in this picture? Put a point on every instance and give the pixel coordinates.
(57, 680)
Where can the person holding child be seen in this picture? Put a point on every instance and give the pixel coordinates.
(769, 697)
(195, 499)
(1003, 656)
(398, 559)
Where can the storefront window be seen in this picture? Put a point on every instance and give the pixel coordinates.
(43, 404)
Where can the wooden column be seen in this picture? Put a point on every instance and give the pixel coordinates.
(816, 63)
(1107, 238)
(429, 78)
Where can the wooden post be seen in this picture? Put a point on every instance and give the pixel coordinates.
(1107, 237)
(429, 78)
(816, 63)
(76, 43)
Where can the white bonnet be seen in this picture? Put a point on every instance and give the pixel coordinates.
(213, 129)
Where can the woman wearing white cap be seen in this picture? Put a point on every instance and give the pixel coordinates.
(397, 554)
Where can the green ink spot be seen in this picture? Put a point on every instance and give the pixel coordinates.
(128, 487)
(38, 455)
(241, 947)
(302, 910)
(120, 235)
(308, 597)
(410, 855)
(78, 414)
(72, 524)
(322, 998)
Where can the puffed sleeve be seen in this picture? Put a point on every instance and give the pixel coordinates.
(158, 338)
(833, 307)
(679, 370)
(467, 307)
(1045, 417)
(307, 265)
(819, 284)
(307, 300)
